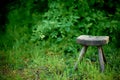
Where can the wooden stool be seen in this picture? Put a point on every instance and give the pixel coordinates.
(98, 41)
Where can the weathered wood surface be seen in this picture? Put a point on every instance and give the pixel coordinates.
(104, 58)
(92, 40)
(101, 59)
(82, 52)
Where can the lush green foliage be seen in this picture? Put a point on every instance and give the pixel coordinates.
(66, 18)
(40, 39)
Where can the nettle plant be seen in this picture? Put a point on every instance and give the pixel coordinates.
(56, 23)
(71, 19)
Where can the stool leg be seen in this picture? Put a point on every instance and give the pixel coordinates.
(101, 58)
(104, 56)
(83, 50)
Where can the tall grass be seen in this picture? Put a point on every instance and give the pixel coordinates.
(29, 62)
(53, 57)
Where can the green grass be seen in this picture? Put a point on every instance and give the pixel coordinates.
(30, 62)
(42, 46)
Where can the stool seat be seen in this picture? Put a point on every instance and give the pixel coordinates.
(87, 40)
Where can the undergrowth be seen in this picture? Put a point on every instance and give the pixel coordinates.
(40, 41)
(33, 62)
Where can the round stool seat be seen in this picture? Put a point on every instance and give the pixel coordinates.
(92, 40)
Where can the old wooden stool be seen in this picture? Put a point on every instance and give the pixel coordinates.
(98, 41)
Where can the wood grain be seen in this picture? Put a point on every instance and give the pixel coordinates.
(92, 40)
